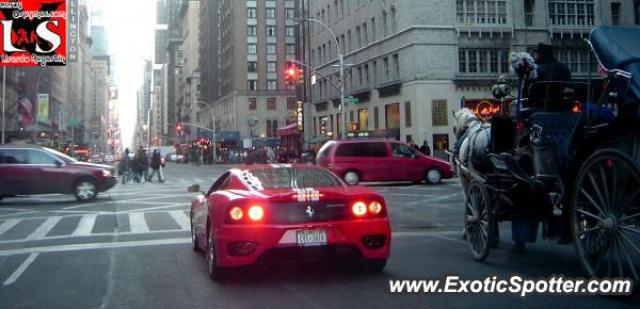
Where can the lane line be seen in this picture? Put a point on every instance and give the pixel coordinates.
(7, 225)
(16, 274)
(18, 214)
(137, 223)
(13, 209)
(94, 246)
(85, 226)
(44, 228)
(127, 201)
(157, 232)
(181, 218)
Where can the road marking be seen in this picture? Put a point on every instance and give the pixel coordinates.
(94, 246)
(7, 225)
(13, 209)
(16, 274)
(44, 228)
(137, 223)
(85, 225)
(446, 196)
(181, 218)
(198, 180)
(407, 194)
(18, 214)
(127, 201)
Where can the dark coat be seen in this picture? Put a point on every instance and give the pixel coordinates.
(155, 161)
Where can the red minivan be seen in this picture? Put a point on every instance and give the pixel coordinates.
(27, 169)
(381, 160)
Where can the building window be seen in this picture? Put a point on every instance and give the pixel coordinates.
(363, 119)
(291, 103)
(394, 23)
(251, 49)
(272, 128)
(578, 60)
(252, 31)
(271, 30)
(528, 12)
(392, 115)
(271, 13)
(439, 113)
(291, 49)
(272, 84)
(350, 46)
(251, 12)
(366, 75)
(365, 34)
(271, 104)
(483, 61)
(290, 31)
(407, 114)
(615, 13)
(384, 24)
(396, 66)
(360, 82)
(271, 49)
(571, 12)
(376, 119)
(289, 13)
(481, 12)
(252, 85)
(271, 66)
(252, 66)
(358, 37)
(253, 105)
(386, 68)
(373, 29)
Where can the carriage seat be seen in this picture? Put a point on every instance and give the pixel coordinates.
(552, 136)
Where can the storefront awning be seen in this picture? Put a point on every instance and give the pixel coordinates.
(289, 130)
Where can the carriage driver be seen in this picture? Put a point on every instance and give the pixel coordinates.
(549, 68)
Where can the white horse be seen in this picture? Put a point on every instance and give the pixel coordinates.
(473, 139)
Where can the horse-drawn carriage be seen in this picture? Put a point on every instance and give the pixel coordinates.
(567, 157)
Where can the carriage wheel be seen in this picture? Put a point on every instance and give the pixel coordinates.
(479, 221)
(605, 215)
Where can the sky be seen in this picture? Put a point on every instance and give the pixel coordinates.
(130, 29)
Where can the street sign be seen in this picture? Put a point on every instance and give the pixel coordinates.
(351, 100)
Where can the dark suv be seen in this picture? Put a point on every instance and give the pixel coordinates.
(28, 169)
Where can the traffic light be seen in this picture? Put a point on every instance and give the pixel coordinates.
(300, 76)
(178, 128)
(291, 75)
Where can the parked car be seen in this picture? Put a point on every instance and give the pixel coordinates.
(381, 160)
(96, 158)
(270, 212)
(27, 170)
(109, 159)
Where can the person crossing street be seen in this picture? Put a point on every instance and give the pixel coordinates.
(156, 166)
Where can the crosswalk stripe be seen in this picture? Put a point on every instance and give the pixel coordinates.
(7, 225)
(181, 218)
(44, 228)
(137, 223)
(85, 225)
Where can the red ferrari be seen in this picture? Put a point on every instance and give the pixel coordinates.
(274, 212)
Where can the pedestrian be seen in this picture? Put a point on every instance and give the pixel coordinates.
(425, 149)
(156, 166)
(271, 156)
(413, 145)
(144, 165)
(124, 167)
(549, 69)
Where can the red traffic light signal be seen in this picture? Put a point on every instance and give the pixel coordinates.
(178, 127)
(291, 74)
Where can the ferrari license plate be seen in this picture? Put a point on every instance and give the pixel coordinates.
(311, 237)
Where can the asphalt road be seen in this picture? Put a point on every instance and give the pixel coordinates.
(131, 248)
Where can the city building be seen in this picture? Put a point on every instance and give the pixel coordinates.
(243, 57)
(412, 62)
(188, 88)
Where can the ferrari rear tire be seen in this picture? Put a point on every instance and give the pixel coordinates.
(373, 265)
(215, 272)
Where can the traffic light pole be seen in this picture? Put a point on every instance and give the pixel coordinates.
(341, 72)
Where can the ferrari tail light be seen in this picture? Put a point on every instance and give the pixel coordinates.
(236, 213)
(375, 208)
(359, 209)
(256, 213)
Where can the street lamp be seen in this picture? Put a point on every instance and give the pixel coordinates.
(341, 67)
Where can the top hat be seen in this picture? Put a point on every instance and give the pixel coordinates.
(544, 49)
